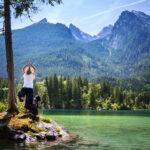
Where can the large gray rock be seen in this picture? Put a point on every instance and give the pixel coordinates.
(11, 134)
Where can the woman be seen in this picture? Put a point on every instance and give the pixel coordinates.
(29, 72)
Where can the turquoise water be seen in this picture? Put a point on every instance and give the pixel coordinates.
(106, 130)
(99, 130)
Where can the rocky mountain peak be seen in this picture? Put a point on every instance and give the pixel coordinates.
(43, 21)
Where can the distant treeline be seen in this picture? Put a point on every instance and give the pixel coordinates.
(78, 93)
(59, 92)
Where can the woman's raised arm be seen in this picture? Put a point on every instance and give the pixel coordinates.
(23, 68)
(35, 69)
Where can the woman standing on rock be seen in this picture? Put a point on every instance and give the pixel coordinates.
(29, 72)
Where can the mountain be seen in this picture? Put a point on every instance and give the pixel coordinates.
(130, 36)
(34, 41)
(127, 47)
(106, 31)
(129, 43)
(42, 34)
(122, 50)
(52, 48)
(80, 35)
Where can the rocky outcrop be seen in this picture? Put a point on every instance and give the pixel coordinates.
(23, 129)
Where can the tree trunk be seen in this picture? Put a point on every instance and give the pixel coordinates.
(12, 106)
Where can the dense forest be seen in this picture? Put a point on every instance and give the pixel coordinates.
(59, 92)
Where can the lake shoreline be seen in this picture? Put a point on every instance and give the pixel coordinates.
(145, 112)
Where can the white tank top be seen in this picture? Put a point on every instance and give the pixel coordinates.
(28, 80)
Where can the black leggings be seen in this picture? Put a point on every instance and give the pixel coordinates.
(28, 92)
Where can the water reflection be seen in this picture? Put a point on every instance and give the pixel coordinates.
(78, 144)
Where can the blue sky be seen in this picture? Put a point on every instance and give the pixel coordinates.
(89, 15)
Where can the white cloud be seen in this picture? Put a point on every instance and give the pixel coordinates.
(111, 10)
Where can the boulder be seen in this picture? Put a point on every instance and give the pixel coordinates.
(40, 137)
(50, 136)
(7, 132)
(19, 137)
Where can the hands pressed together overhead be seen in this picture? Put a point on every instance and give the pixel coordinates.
(32, 67)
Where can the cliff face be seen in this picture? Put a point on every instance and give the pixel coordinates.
(130, 37)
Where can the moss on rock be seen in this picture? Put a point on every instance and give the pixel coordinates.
(32, 131)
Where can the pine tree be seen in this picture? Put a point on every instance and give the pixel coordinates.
(48, 85)
(61, 92)
(76, 94)
(68, 93)
(55, 96)
(12, 106)
(105, 89)
(92, 99)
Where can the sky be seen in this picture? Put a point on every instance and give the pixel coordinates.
(89, 15)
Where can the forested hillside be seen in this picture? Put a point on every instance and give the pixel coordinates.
(122, 50)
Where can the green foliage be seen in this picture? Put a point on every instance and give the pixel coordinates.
(1, 10)
(78, 93)
(45, 119)
(92, 98)
(19, 123)
(3, 89)
(59, 92)
(40, 89)
(3, 106)
(20, 105)
(27, 6)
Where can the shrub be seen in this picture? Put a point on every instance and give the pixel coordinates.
(47, 120)
(3, 106)
(20, 105)
(115, 106)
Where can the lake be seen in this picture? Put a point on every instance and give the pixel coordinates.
(105, 130)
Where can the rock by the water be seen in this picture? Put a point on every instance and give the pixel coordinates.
(50, 137)
(23, 129)
(40, 137)
(30, 138)
(11, 134)
(19, 138)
